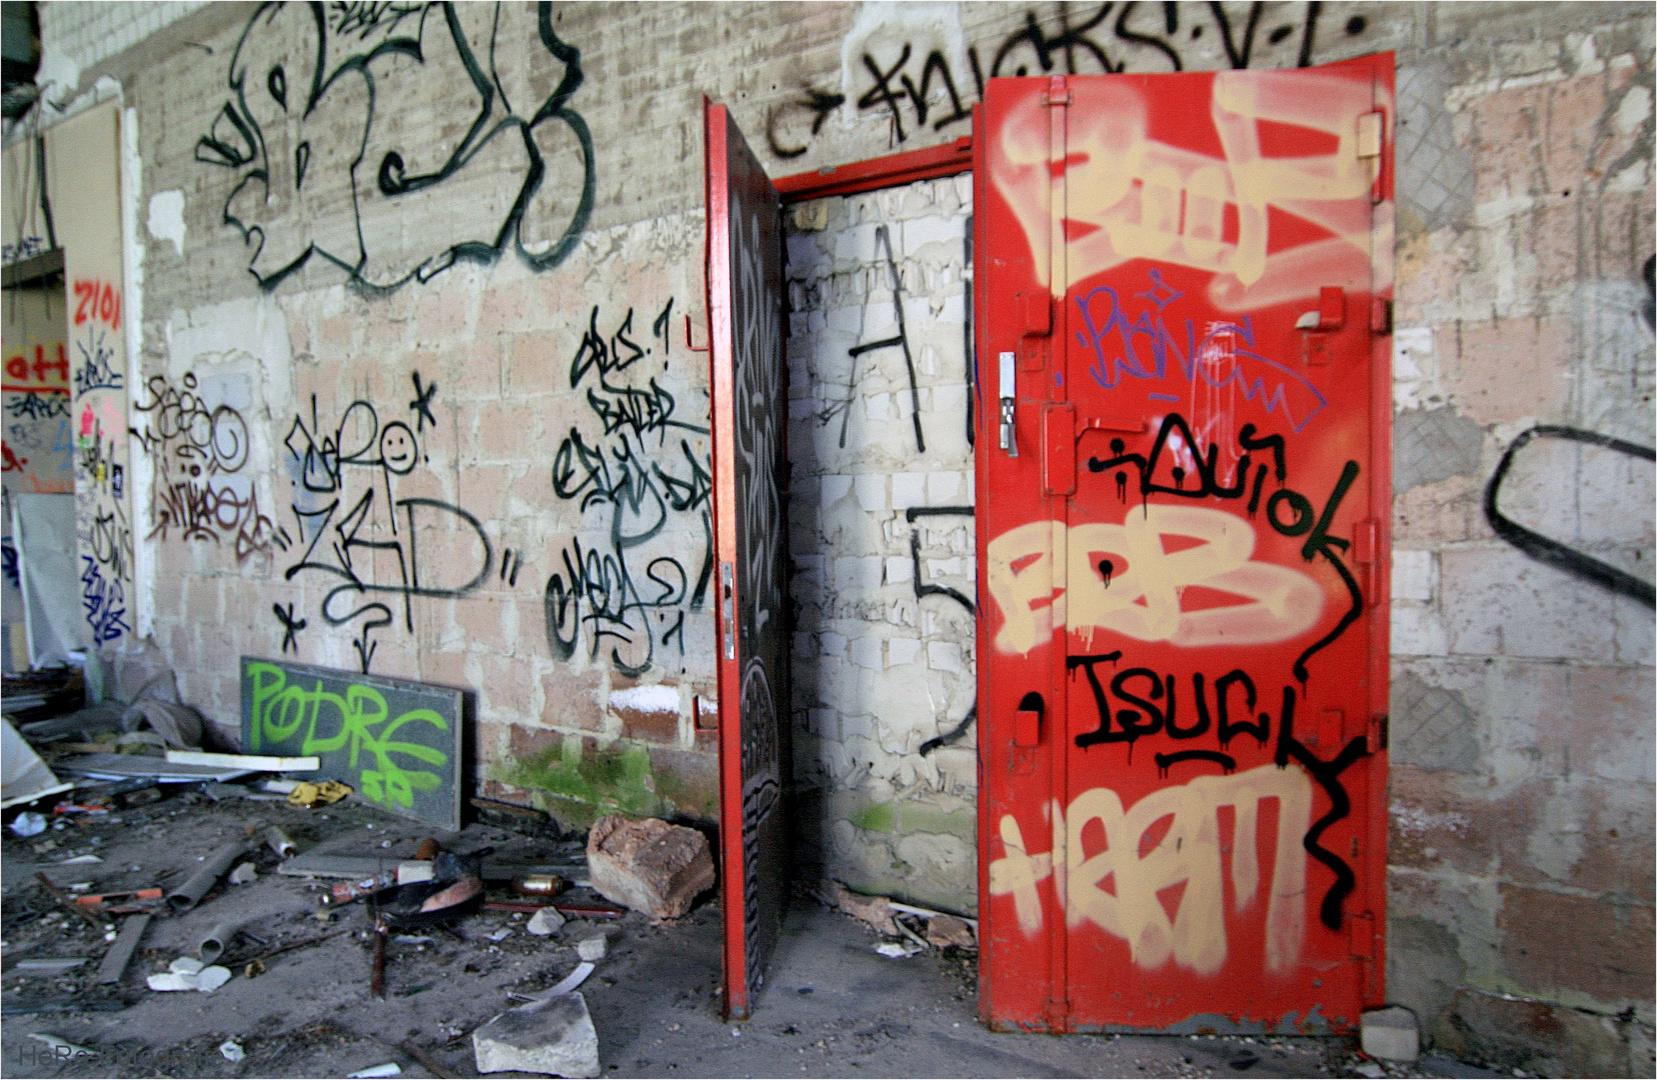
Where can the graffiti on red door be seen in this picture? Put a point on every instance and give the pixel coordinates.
(1214, 251)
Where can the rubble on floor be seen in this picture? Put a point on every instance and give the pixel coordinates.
(284, 965)
(893, 919)
(554, 1036)
(207, 886)
(649, 865)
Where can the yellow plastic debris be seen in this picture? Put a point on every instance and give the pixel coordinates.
(312, 795)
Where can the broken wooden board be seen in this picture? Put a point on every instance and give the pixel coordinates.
(256, 762)
(362, 866)
(132, 766)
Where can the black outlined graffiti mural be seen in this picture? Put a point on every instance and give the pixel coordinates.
(1544, 549)
(1137, 702)
(314, 129)
(920, 88)
(200, 490)
(37, 448)
(351, 527)
(924, 588)
(647, 469)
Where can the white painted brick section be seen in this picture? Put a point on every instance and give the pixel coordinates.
(916, 682)
(1414, 575)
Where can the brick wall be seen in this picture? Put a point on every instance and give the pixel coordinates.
(882, 539)
(520, 228)
(76, 36)
(1522, 691)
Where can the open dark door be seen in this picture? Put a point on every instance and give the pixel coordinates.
(1184, 303)
(749, 381)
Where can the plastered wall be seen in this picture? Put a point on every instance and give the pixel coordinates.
(882, 537)
(448, 317)
(1522, 684)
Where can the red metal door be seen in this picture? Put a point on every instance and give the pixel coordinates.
(749, 380)
(1182, 528)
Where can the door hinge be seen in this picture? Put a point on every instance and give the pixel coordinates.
(1380, 315)
(1058, 450)
(1360, 933)
(1378, 732)
(727, 609)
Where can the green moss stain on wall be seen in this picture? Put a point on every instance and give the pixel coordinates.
(877, 817)
(904, 817)
(688, 796)
(578, 786)
(578, 783)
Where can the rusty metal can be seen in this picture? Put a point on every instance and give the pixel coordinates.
(539, 885)
(343, 892)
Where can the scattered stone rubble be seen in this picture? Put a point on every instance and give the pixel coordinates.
(649, 865)
(657, 868)
(555, 1037)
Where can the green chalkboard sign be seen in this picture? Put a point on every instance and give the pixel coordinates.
(396, 742)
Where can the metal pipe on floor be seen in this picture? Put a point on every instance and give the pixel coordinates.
(196, 886)
(212, 946)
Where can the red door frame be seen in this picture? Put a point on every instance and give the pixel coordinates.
(720, 333)
(872, 174)
(889, 171)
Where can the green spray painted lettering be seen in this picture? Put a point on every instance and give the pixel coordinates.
(356, 722)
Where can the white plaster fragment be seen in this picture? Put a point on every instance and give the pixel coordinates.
(1413, 819)
(931, 230)
(825, 723)
(944, 656)
(865, 653)
(1418, 630)
(1634, 111)
(646, 699)
(857, 572)
(857, 727)
(871, 492)
(166, 221)
(945, 488)
(899, 570)
(1415, 369)
(902, 650)
(908, 489)
(1413, 575)
(835, 488)
(937, 568)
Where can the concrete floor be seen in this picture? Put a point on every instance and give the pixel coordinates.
(831, 1007)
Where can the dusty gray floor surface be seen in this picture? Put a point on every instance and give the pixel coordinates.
(832, 1006)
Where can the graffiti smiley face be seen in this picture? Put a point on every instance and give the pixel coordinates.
(399, 452)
